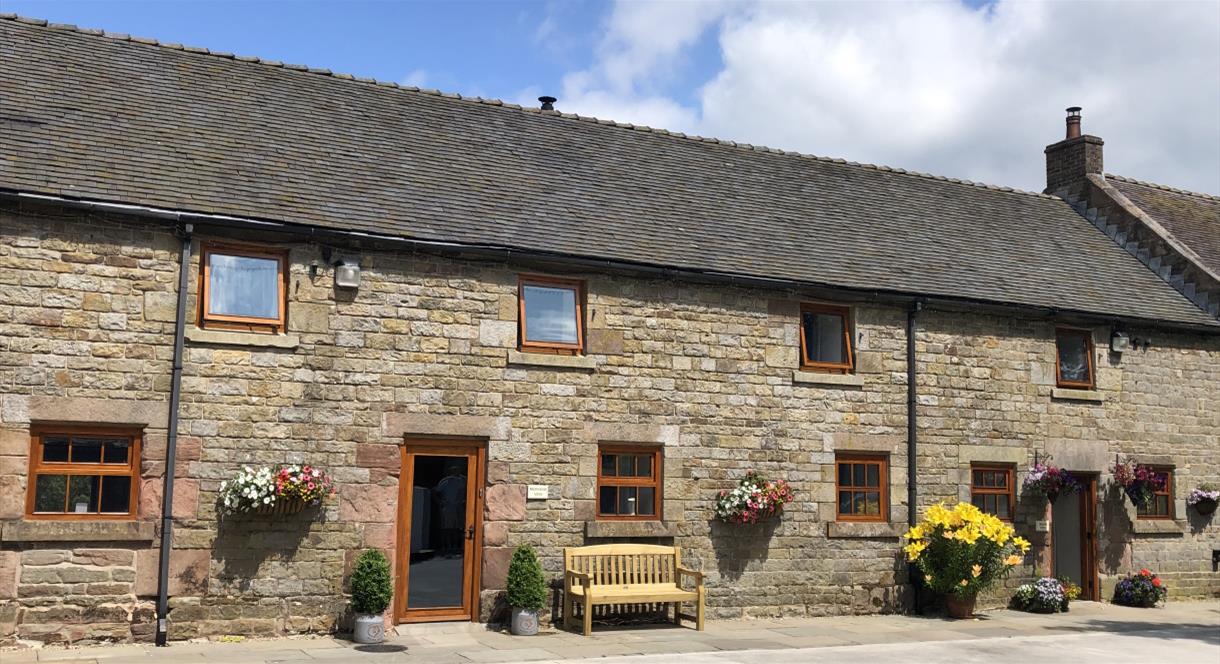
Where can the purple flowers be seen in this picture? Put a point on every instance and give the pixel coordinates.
(1139, 482)
(1050, 482)
(1142, 590)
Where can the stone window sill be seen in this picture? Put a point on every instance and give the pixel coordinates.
(76, 531)
(232, 338)
(862, 530)
(1158, 527)
(1066, 394)
(555, 361)
(827, 379)
(630, 529)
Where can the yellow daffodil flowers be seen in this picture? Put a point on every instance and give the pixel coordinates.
(963, 550)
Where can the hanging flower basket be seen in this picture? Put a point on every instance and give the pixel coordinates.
(1050, 482)
(755, 499)
(1204, 499)
(277, 491)
(1139, 482)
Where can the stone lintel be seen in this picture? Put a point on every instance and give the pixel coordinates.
(1080, 455)
(621, 432)
(398, 425)
(97, 411)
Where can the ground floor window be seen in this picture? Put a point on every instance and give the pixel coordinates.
(1162, 501)
(991, 489)
(79, 473)
(861, 487)
(628, 482)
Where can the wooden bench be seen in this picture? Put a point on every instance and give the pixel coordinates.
(627, 574)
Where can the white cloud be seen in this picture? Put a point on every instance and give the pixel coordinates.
(937, 87)
(418, 78)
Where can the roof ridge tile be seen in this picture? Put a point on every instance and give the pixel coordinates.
(1163, 187)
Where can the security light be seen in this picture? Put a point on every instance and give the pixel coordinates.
(347, 274)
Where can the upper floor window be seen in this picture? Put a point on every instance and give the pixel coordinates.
(551, 315)
(78, 473)
(242, 288)
(1162, 499)
(1074, 362)
(861, 487)
(991, 489)
(826, 338)
(628, 482)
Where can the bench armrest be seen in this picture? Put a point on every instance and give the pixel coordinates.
(696, 576)
(571, 579)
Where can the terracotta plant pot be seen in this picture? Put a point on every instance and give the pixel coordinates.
(1205, 506)
(960, 607)
(281, 507)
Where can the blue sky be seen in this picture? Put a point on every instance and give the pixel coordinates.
(969, 89)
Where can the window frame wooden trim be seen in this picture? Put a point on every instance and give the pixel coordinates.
(845, 312)
(551, 347)
(208, 320)
(883, 460)
(1010, 472)
(1087, 335)
(1167, 492)
(656, 481)
(37, 466)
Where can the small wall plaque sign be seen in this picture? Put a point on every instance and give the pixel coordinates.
(1042, 526)
(537, 492)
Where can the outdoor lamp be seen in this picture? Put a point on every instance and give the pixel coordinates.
(1119, 342)
(347, 274)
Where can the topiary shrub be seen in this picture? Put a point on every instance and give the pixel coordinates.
(526, 585)
(372, 586)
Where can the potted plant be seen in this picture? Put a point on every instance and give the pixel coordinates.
(963, 551)
(756, 498)
(274, 490)
(1139, 482)
(1142, 590)
(1049, 481)
(372, 589)
(1204, 499)
(1046, 595)
(526, 591)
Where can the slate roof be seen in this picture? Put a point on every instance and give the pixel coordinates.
(113, 118)
(1192, 218)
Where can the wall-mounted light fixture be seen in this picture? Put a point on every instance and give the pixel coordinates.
(347, 273)
(1119, 342)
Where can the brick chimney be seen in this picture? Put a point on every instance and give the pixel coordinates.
(1070, 160)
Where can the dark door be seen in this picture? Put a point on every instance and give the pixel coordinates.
(438, 542)
(1074, 537)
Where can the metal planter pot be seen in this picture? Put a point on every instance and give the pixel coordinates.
(524, 622)
(368, 629)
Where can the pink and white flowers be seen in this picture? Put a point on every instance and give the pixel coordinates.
(253, 489)
(755, 498)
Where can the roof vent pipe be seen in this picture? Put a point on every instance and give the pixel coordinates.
(1073, 122)
(548, 103)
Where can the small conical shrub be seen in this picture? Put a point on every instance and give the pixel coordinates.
(372, 585)
(526, 585)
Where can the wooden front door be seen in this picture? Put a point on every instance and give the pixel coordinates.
(439, 531)
(1074, 537)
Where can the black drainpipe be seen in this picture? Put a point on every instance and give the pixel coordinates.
(920, 594)
(171, 442)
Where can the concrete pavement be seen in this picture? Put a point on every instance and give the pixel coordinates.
(1182, 632)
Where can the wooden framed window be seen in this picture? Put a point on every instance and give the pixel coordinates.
(1074, 358)
(826, 338)
(551, 315)
(242, 288)
(83, 473)
(1162, 502)
(991, 489)
(628, 482)
(862, 487)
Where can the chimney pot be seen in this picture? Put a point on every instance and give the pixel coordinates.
(548, 103)
(1073, 122)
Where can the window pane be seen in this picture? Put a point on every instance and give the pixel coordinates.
(609, 465)
(550, 314)
(1002, 507)
(874, 475)
(643, 466)
(116, 494)
(244, 286)
(607, 500)
(857, 474)
(857, 506)
(1162, 505)
(845, 474)
(116, 450)
(1073, 358)
(82, 493)
(626, 465)
(844, 502)
(647, 503)
(626, 500)
(872, 503)
(55, 448)
(86, 450)
(979, 501)
(49, 493)
(823, 337)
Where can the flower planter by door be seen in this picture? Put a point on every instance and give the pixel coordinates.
(960, 607)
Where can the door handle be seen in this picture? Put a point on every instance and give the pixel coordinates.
(470, 533)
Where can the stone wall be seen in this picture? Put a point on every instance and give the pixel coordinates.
(426, 347)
